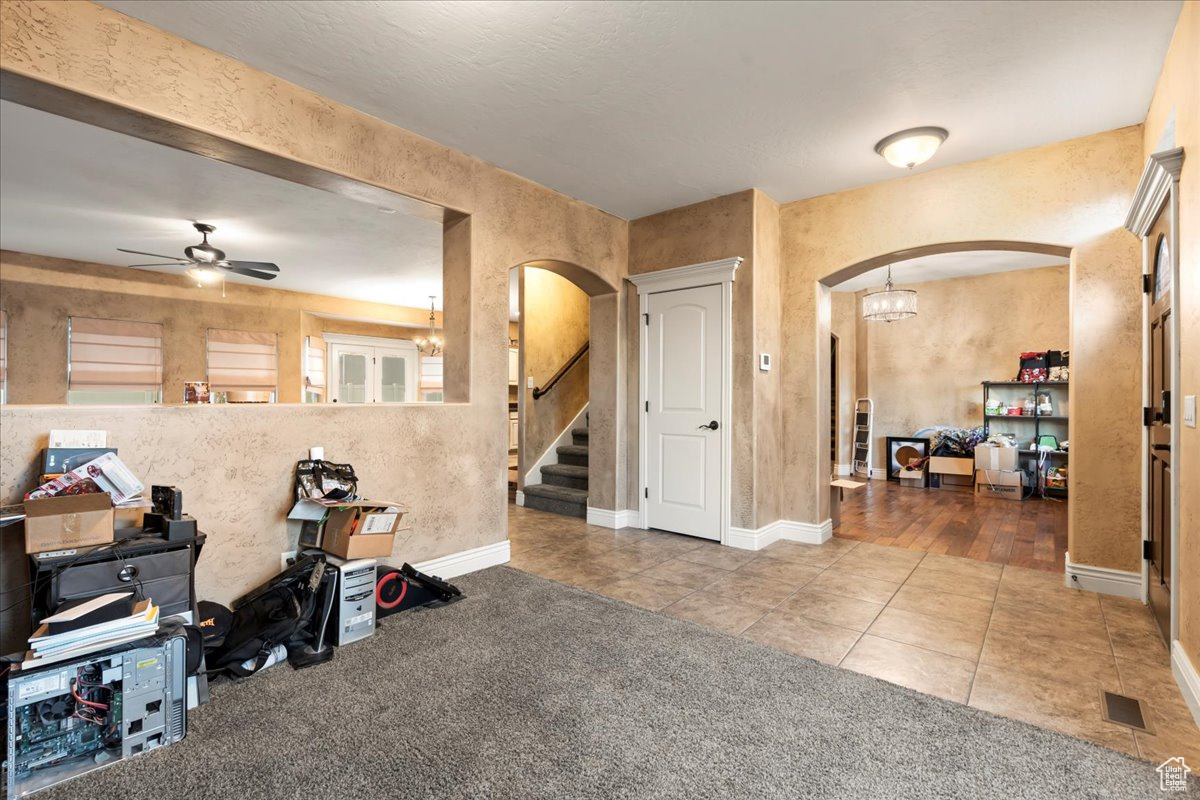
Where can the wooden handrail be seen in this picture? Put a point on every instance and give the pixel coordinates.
(563, 370)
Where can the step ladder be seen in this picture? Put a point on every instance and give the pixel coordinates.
(864, 415)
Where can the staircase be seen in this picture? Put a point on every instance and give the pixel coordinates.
(566, 483)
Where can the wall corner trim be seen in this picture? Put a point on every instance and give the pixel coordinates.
(455, 564)
(782, 529)
(1103, 580)
(614, 520)
(1187, 678)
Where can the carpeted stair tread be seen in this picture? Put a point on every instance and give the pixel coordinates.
(560, 493)
(572, 450)
(579, 433)
(566, 470)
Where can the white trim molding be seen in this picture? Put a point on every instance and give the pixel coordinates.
(614, 520)
(708, 273)
(781, 529)
(455, 564)
(534, 475)
(1103, 580)
(844, 470)
(1187, 678)
(520, 498)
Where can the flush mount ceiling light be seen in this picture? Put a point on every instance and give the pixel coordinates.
(907, 149)
(890, 304)
(429, 345)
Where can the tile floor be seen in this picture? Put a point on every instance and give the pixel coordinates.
(1004, 638)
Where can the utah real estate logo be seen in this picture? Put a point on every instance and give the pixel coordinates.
(1173, 775)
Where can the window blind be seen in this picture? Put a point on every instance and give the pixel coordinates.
(314, 364)
(117, 355)
(431, 372)
(242, 361)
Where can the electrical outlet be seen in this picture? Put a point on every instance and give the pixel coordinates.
(283, 559)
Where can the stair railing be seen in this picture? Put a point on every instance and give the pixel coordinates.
(563, 370)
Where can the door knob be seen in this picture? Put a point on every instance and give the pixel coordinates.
(712, 426)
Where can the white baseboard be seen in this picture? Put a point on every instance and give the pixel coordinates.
(534, 475)
(782, 529)
(1103, 580)
(844, 470)
(1187, 678)
(520, 498)
(602, 517)
(455, 564)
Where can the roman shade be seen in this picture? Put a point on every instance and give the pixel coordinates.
(314, 364)
(431, 372)
(3, 346)
(114, 355)
(242, 361)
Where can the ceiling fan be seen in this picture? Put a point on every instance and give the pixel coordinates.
(204, 260)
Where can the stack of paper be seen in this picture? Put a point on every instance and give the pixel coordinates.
(93, 625)
(106, 473)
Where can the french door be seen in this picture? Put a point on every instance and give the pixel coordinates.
(363, 373)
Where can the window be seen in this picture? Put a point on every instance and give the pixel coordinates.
(431, 379)
(243, 366)
(365, 369)
(314, 369)
(113, 362)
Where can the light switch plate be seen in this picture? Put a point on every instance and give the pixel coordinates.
(529, 382)
(1189, 410)
(764, 362)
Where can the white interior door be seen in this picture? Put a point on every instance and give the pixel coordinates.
(684, 391)
(353, 374)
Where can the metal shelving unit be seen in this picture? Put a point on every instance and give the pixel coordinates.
(1031, 427)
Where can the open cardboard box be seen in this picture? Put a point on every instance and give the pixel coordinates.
(68, 521)
(991, 457)
(951, 465)
(356, 529)
(1005, 484)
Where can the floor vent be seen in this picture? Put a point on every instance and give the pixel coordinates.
(1123, 710)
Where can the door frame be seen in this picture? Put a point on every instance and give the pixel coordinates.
(693, 276)
(1158, 190)
(411, 372)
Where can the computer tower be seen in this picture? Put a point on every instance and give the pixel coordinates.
(353, 614)
(71, 717)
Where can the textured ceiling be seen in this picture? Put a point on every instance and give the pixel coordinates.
(638, 107)
(71, 190)
(949, 265)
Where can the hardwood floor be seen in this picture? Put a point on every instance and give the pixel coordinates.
(1029, 533)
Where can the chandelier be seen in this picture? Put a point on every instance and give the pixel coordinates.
(891, 304)
(429, 345)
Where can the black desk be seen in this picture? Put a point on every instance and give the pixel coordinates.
(146, 564)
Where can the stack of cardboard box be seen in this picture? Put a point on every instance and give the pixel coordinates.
(997, 473)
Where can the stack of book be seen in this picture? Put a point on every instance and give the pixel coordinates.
(92, 625)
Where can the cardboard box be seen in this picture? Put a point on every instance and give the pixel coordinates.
(948, 465)
(1004, 484)
(362, 529)
(306, 522)
(68, 521)
(914, 478)
(131, 517)
(991, 457)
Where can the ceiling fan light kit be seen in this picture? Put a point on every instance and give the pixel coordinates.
(912, 147)
(890, 304)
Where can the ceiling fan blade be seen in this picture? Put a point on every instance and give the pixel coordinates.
(169, 264)
(265, 266)
(144, 253)
(251, 273)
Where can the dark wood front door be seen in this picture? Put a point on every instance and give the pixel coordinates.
(1158, 429)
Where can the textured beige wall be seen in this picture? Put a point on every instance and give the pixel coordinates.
(927, 370)
(768, 387)
(1071, 194)
(555, 319)
(447, 461)
(843, 324)
(1178, 93)
(723, 227)
(40, 293)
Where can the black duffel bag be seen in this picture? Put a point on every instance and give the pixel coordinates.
(256, 628)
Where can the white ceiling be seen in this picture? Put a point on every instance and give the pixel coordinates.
(71, 190)
(638, 107)
(949, 265)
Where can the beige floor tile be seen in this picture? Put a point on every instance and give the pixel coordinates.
(686, 573)
(954, 638)
(715, 613)
(845, 612)
(953, 584)
(915, 667)
(719, 556)
(1009, 649)
(1031, 588)
(934, 603)
(803, 637)
(761, 592)
(645, 592)
(1173, 730)
(817, 555)
(1063, 706)
(794, 573)
(1132, 630)
(849, 585)
(593, 582)
(1048, 629)
(868, 567)
(983, 571)
(887, 553)
(663, 545)
(628, 559)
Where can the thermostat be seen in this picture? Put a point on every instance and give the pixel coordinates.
(764, 362)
